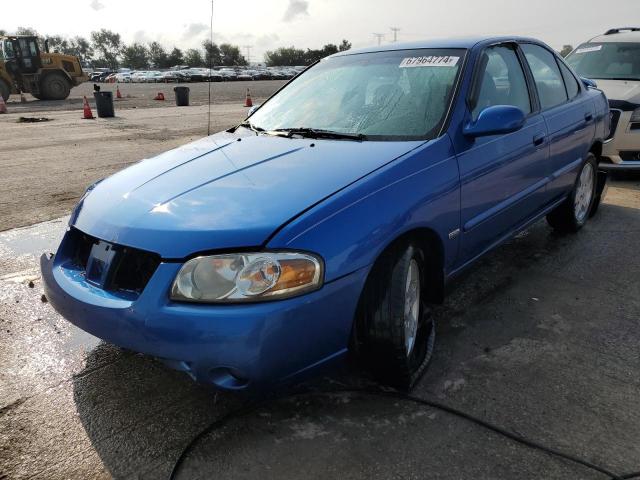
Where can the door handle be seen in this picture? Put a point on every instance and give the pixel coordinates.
(538, 139)
(588, 117)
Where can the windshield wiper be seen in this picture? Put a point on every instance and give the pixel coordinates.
(250, 126)
(318, 133)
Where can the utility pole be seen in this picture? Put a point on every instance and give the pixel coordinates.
(395, 31)
(248, 47)
(379, 36)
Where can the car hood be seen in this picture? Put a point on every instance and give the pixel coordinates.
(623, 90)
(223, 191)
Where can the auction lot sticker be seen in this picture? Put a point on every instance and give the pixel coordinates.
(430, 61)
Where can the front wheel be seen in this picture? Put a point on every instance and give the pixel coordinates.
(573, 213)
(55, 86)
(395, 331)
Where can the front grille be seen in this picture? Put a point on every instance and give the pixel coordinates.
(614, 117)
(129, 271)
(630, 156)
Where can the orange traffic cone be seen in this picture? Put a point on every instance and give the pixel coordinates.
(3, 106)
(86, 110)
(248, 102)
(159, 96)
(118, 94)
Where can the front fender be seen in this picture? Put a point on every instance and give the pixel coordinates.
(350, 229)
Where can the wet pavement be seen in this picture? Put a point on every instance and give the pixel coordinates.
(540, 337)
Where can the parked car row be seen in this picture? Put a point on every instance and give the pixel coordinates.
(194, 75)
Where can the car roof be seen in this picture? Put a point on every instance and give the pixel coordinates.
(617, 36)
(447, 42)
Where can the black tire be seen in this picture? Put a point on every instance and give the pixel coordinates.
(569, 217)
(5, 90)
(380, 327)
(55, 86)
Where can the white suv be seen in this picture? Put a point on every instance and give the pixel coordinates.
(613, 61)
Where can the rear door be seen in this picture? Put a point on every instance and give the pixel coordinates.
(568, 114)
(502, 176)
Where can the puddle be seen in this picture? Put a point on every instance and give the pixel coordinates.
(34, 240)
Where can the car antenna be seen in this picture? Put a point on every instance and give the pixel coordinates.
(210, 66)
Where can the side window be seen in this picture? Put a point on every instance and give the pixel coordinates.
(569, 80)
(546, 74)
(501, 81)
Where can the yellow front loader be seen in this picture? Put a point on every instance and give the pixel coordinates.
(24, 69)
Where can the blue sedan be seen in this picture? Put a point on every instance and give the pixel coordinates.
(330, 221)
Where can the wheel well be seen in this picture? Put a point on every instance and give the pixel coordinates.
(596, 149)
(430, 243)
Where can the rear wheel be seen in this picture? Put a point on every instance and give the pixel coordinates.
(5, 90)
(396, 332)
(573, 213)
(55, 86)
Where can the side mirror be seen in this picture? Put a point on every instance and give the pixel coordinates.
(252, 109)
(495, 120)
(588, 82)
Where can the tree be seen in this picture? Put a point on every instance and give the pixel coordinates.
(194, 58)
(58, 44)
(108, 45)
(230, 55)
(285, 56)
(3, 32)
(175, 57)
(135, 56)
(344, 46)
(158, 55)
(211, 53)
(81, 48)
(566, 50)
(26, 31)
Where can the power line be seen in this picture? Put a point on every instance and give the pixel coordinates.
(379, 36)
(395, 31)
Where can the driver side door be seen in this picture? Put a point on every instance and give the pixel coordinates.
(502, 176)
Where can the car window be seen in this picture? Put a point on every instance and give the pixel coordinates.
(569, 80)
(546, 74)
(607, 61)
(502, 81)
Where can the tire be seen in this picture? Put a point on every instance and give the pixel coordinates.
(5, 90)
(394, 328)
(55, 86)
(572, 214)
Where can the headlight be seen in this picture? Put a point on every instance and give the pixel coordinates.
(635, 116)
(247, 277)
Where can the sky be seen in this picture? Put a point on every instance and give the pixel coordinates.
(269, 24)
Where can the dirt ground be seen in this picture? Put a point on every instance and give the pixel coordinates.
(47, 166)
(140, 95)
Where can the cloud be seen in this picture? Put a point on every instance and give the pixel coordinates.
(193, 30)
(296, 8)
(96, 5)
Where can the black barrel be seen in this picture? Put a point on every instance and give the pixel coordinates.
(104, 104)
(182, 96)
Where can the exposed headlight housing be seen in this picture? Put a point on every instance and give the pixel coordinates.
(635, 116)
(247, 277)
